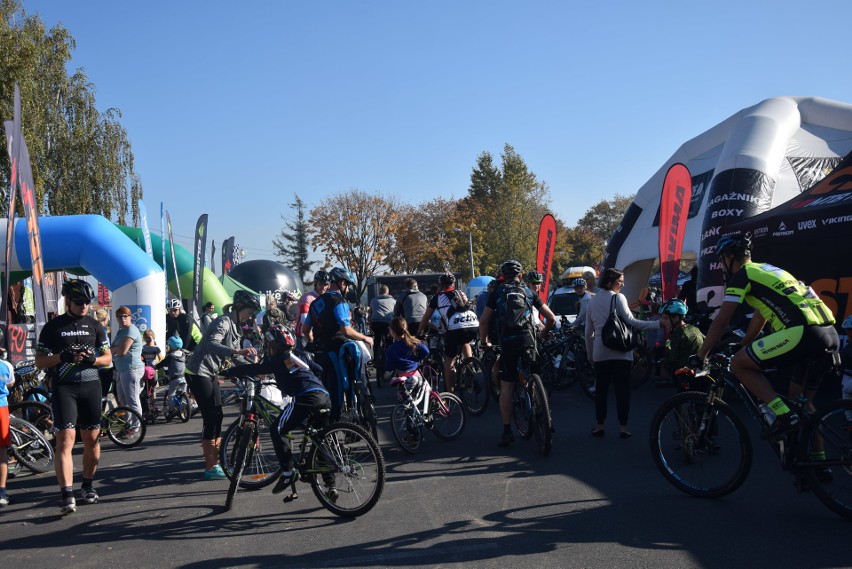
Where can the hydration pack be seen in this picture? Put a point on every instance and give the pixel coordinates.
(514, 309)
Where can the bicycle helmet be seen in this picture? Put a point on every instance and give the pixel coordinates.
(321, 277)
(578, 282)
(173, 303)
(78, 288)
(511, 269)
(447, 279)
(847, 324)
(737, 245)
(674, 306)
(534, 277)
(340, 274)
(245, 299)
(281, 336)
(174, 342)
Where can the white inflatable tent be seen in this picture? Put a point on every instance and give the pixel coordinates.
(749, 163)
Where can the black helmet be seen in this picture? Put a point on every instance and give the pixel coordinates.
(578, 282)
(339, 274)
(511, 269)
(447, 279)
(534, 277)
(737, 245)
(78, 288)
(245, 299)
(321, 277)
(281, 336)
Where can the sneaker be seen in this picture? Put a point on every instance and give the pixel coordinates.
(4, 500)
(287, 478)
(128, 434)
(215, 473)
(505, 440)
(89, 495)
(69, 505)
(782, 425)
(332, 495)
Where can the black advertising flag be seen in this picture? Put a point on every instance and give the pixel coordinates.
(198, 266)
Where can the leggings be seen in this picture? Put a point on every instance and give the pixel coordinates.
(616, 372)
(209, 399)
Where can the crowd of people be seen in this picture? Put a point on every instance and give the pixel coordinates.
(81, 360)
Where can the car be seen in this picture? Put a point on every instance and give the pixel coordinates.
(565, 304)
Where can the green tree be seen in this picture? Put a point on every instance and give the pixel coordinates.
(603, 218)
(292, 245)
(356, 230)
(81, 158)
(421, 239)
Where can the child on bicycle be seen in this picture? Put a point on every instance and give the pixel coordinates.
(406, 352)
(175, 364)
(7, 379)
(150, 356)
(306, 391)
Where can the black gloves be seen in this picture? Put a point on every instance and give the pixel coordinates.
(67, 356)
(695, 362)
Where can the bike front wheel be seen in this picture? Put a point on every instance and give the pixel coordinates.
(124, 427)
(701, 449)
(522, 412)
(346, 470)
(830, 477)
(448, 416)
(246, 433)
(30, 446)
(39, 414)
(263, 467)
(406, 431)
(471, 386)
(542, 420)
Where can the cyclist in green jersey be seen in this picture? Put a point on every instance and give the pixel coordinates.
(802, 328)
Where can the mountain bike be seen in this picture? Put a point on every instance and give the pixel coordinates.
(562, 362)
(530, 405)
(702, 448)
(29, 446)
(421, 408)
(341, 461)
(39, 414)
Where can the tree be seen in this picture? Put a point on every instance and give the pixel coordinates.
(293, 246)
(356, 230)
(603, 218)
(421, 239)
(81, 158)
(582, 247)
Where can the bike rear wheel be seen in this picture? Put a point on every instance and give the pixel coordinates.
(30, 446)
(830, 479)
(124, 427)
(542, 420)
(263, 468)
(407, 433)
(39, 414)
(700, 449)
(346, 470)
(471, 386)
(522, 411)
(448, 416)
(367, 411)
(246, 434)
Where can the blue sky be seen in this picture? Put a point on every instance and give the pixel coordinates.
(232, 108)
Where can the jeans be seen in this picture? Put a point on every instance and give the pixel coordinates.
(128, 384)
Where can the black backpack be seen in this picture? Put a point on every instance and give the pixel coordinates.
(514, 309)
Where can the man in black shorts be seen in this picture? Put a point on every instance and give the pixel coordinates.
(71, 347)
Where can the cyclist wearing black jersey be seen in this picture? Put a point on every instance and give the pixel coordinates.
(802, 328)
(71, 347)
(329, 326)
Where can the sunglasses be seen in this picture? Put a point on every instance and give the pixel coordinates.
(80, 301)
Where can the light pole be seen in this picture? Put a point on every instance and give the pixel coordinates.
(470, 245)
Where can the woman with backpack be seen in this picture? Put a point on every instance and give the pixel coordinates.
(611, 366)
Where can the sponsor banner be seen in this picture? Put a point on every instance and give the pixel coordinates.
(103, 295)
(22, 342)
(163, 249)
(198, 266)
(228, 255)
(700, 183)
(613, 246)
(172, 251)
(546, 245)
(146, 235)
(674, 208)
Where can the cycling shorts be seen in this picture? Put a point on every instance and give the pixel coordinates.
(77, 405)
(5, 433)
(455, 339)
(802, 349)
(510, 352)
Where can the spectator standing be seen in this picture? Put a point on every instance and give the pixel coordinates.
(208, 316)
(127, 358)
(179, 324)
(411, 304)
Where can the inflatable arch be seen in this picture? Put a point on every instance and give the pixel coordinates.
(92, 244)
(751, 162)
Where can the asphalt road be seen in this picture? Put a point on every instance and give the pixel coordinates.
(592, 503)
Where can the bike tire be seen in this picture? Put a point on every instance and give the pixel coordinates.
(168, 413)
(709, 463)
(367, 411)
(184, 413)
(448, 414)
(522, 412)
(119, 427)
(37, 394)
(263, 469)
(39, 414)
(245, 436)
(471, 387)
(407, 433)
(641, 370)
(831, 431)
(542, 419)
(348, 461)
(29, 446)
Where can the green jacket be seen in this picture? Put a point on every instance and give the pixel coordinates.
(684, 342)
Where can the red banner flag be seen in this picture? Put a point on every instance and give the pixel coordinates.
(546, 245)
(674, 207)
